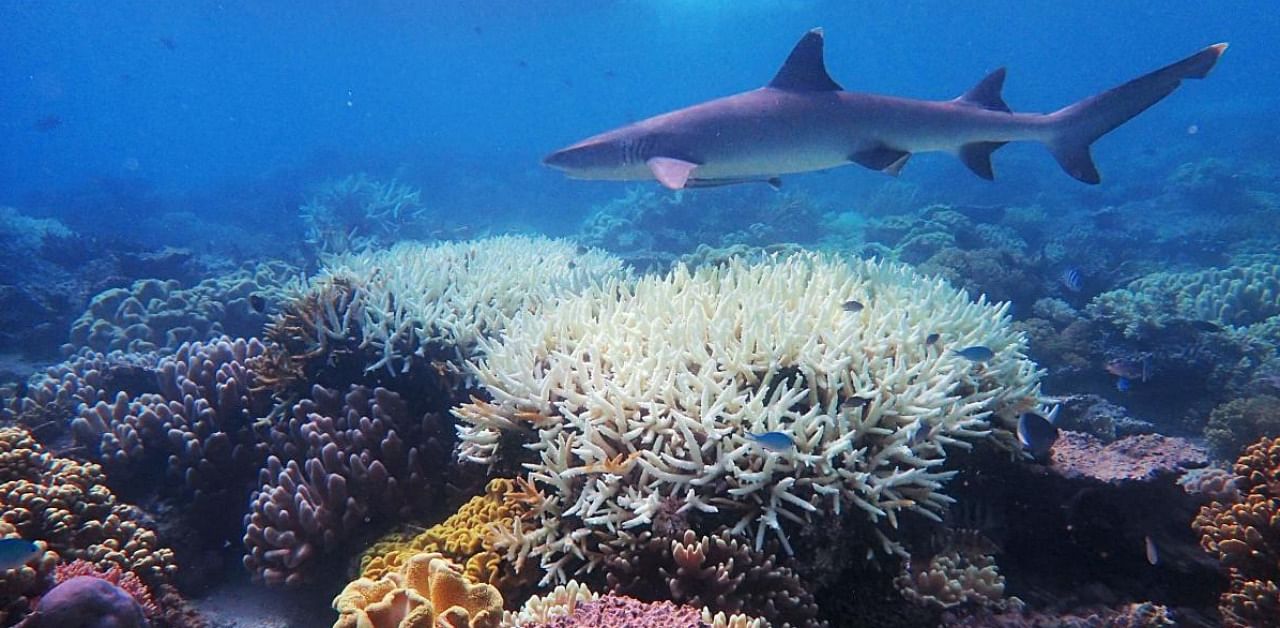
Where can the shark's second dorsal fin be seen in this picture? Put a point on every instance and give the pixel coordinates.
(804, 70)
(986, 93)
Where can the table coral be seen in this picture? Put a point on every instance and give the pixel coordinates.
(66, 506)
(1245, 536)
(1140, 458)
(340, 461)
(428, 591)
(636, 392)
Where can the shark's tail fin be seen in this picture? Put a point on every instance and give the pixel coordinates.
(1078, 125)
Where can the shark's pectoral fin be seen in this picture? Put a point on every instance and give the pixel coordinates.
(882, 158)
(670, 172)
(977, 157)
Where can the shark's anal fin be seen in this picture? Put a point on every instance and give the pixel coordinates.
(977, 157)
(672, 173)
(882, 158)
(986, 93)
(804, 69)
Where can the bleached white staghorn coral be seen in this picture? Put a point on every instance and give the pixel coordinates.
(450, 294)
(633, 392)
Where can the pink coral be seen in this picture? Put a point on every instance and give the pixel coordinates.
(1140, 458)
(127, 581)
(620, 611)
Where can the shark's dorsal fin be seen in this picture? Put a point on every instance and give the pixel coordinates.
(804, 70)
(986, 93)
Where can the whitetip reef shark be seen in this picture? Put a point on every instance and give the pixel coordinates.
(803, 121)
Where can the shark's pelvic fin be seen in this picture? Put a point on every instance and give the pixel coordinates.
(804, 69)
(670, 172)
(882, 158)
(977, 157)
(986, 93)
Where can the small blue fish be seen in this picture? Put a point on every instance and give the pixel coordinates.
(16, 552)
(1071, 278)
(931, 339)
(1122, 384)
(1036, 433)
(852, 307)
(976, 353)
(773, 441)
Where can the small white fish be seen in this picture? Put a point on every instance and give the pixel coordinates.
(1152, 556)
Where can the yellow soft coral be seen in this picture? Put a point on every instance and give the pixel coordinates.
(463, 537)
(428, 591)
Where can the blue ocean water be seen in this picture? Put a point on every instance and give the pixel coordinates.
(162, 166)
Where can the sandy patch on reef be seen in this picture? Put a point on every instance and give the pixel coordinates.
(243, 604)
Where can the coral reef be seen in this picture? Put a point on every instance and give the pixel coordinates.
(1245, 536)
(1242, 421)
(1140, 458)
(339, 462)
(155, 315)
(466, 537)
(359, 213)
(88, 602)
(620, 610)
(65, 505)
(952, 578)
(429, 590)
(718, 573)
(127, 581)
(634, 393)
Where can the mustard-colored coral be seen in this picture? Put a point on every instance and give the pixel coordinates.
(952, 578)
(463, 537)
(1245, 536)
(428, 591)
(64, 506)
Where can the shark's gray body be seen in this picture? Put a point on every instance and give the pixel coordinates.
(803, 121)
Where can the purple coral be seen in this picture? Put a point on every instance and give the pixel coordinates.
(87, 602)
(620, 611)
(338, 462)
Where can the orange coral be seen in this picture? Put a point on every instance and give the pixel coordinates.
(428, 591)
(1245, 536)
(463, 537)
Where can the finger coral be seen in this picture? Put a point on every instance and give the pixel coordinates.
(339, 462)
(428, 591)
(635, 392)
(952, 578)
(1245, 536)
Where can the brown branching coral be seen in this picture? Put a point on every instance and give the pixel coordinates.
(719, 573)
(1245, 536)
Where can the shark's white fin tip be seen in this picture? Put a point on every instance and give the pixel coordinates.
(670, 172)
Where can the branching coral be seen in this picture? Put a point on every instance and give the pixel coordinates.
(952, 578)
(66, 506)
(359, 212)
(1239, 422)
(718, 573)
(561, 607)
(428, 591)
(1245, 536)
(340, 461)
(442, 299)
(633, 393)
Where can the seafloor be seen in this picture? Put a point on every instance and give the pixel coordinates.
(694, 412)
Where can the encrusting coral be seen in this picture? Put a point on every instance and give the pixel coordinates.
(638, 392)
(1245, 536)
(465, 537)
(428, 591)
